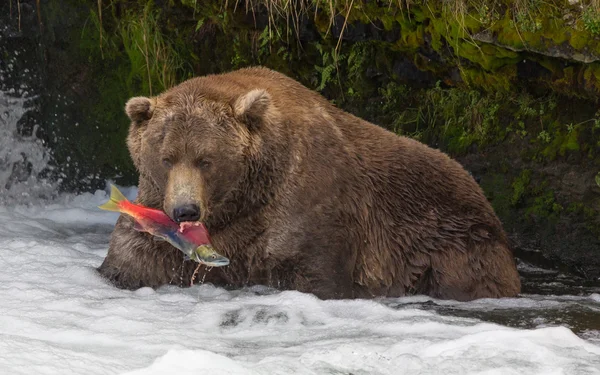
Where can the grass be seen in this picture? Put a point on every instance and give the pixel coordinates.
(525, 13)
(18, 6)
(100, 28)
(148, 49)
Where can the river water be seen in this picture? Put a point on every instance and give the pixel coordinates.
(58, 317)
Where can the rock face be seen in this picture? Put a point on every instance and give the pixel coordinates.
(510, 90)
(51, 62)
(549, 210)
(562, 51)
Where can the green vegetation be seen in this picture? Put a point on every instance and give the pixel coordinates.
(520, 186)
(150, 57)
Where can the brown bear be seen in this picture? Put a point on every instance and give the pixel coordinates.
(299, 194)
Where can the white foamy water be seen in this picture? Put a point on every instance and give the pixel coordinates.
(58, 317)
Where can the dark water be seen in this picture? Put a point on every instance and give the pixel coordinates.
(548, 298)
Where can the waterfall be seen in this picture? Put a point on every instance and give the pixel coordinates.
(24, 158)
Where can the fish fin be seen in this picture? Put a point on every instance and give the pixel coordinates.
(116, 197)
(137, 226)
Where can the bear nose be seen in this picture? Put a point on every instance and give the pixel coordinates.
(188, 212)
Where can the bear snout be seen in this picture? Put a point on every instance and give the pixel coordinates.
(186, 212)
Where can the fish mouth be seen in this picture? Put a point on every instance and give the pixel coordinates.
(215, 263)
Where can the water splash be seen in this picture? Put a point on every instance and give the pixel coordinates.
(23, 158)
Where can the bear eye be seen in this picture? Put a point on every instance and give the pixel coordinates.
(203, 163)
(167, 163)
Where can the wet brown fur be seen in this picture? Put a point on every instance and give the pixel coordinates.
(302, 195)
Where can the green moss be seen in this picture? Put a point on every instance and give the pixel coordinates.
(578, 39)
(575, 207)
(544, 207)
(563, 140)
(519, 186)
(582, 212)
(459, 140)
(489, 57)
(571, 142)
(498, 191)
(410, 39)
(501, 80)
(557, 33)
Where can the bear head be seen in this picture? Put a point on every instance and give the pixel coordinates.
(203, 153)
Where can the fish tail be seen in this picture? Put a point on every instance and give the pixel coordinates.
(114, 203)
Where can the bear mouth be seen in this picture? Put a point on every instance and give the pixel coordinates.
(188, 224)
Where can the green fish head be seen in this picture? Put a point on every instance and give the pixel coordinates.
(207, 255)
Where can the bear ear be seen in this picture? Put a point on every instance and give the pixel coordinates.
(252, 107)
(139, 108)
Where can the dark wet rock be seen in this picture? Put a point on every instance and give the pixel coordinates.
(232, 319)
(562, 51)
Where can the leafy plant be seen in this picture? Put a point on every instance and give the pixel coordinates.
(329, 68)
(591, 20)
(544, 136)
(570, 128)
